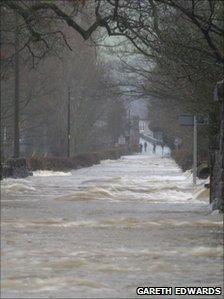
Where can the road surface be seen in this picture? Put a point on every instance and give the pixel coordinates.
(102, 231)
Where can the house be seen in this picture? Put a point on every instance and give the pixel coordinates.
(143, 125)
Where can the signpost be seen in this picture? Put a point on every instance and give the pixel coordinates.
(187, 119)
(195, 150)
(68, 123)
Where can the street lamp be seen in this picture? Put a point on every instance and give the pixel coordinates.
(68, 122)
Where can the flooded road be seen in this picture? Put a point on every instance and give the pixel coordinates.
(102, 231)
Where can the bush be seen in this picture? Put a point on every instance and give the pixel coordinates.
(81, 160)
(183, 158)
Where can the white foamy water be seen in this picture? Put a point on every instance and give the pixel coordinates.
(102, 231)
(50, 173)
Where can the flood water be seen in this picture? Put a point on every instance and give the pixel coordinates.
(102, 231)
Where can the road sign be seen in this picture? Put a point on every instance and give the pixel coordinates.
(187, 119)
(202, 120)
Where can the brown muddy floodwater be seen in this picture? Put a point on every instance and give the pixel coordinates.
(102, 231)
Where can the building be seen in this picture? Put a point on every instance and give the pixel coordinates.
(144, 127)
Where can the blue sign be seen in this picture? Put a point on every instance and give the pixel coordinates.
(187, 119)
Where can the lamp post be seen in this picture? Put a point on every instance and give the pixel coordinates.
(129, 130)
(16, 100)
(195, 150)
(187, 119)
(68, 122)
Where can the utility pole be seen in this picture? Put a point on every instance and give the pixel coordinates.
(129, 128)
(68, 124)
(1, 137)
(16, 103)
(195, 147)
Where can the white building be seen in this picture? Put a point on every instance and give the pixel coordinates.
(144, 127)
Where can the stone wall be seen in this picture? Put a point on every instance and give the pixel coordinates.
(15, 168)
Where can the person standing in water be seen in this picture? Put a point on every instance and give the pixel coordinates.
(162, 146)
(140, 147)
(145, 146)
(154, 148)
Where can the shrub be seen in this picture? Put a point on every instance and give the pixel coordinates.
(81, 160)
(183, 158)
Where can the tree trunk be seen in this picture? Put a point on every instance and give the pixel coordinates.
(16, 104)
